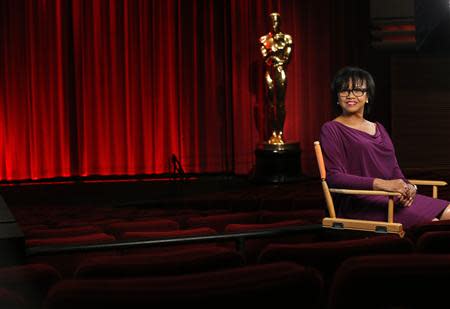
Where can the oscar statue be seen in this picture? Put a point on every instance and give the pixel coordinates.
(276, 48)
(276, 159)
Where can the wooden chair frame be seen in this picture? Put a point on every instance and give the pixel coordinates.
(388, 226)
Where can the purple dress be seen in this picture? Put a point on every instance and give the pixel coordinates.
(353, 159)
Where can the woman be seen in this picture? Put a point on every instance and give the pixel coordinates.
(359, 154)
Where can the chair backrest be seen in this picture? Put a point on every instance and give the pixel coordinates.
(323, 176)
(320, 161)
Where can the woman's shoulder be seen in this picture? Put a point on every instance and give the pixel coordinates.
(330, 129)
(331, 125)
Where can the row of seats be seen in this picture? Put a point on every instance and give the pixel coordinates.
(431, 238)
(219, 278)
(66, 215)
(155, 229)
(183, 220)
(377, 281)
(264, 286)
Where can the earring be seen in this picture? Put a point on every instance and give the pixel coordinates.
(337, 102)
(367, 102)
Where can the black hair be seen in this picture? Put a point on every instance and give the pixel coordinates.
(345, 75)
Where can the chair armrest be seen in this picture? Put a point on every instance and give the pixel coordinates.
(373, 192)
(364, 192)
(427, 182)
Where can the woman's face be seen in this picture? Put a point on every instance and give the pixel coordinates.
(353, 99)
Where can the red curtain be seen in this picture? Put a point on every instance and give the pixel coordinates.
(34, 137)
(115, 87)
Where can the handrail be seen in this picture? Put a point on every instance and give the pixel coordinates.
(238, 237)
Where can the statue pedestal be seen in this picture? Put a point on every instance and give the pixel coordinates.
(277, 163)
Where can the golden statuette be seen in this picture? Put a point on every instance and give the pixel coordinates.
(276, 48)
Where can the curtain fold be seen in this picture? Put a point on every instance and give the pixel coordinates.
(33, 114)
(116, 87)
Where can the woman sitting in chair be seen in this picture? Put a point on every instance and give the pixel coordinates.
(359, 154)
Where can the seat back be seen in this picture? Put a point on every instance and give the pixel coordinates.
(159, 263)
(391, 281)
(327, 256)
(275, 285)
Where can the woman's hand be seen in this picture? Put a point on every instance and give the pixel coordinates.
(410, 195)
(407, 190)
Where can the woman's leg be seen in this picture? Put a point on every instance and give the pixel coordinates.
(445, 214)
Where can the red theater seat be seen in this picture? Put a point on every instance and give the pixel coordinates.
(71, 240)
(416, 231)
(27, 283)
(392, 281)
(169, 234)
(327, 256)
(434, 242)
(154, 225)
(175, 262)
(62, 232)
(277, 285)
(219, 222)
(67, 263)
(310, 215)
(201, 231)
(11, 300)
(254, 246)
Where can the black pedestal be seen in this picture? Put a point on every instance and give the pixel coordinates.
(277, 163)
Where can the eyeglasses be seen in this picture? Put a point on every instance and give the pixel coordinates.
(357, 92)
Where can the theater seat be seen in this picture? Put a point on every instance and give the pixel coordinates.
(277, 285)
(153, 225)
(11, 300)
(175, 262)
(201, 231)
(392, 281)
(67, 263)
(169, 234)
(313, 216)
(414, 232)
(62, 232)
(26, 283)
(70, 240)
(434, 242)
(254, 246)
(219, 222)
(327, 256)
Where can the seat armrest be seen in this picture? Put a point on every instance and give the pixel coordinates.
(418, 182)
(364, 192)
